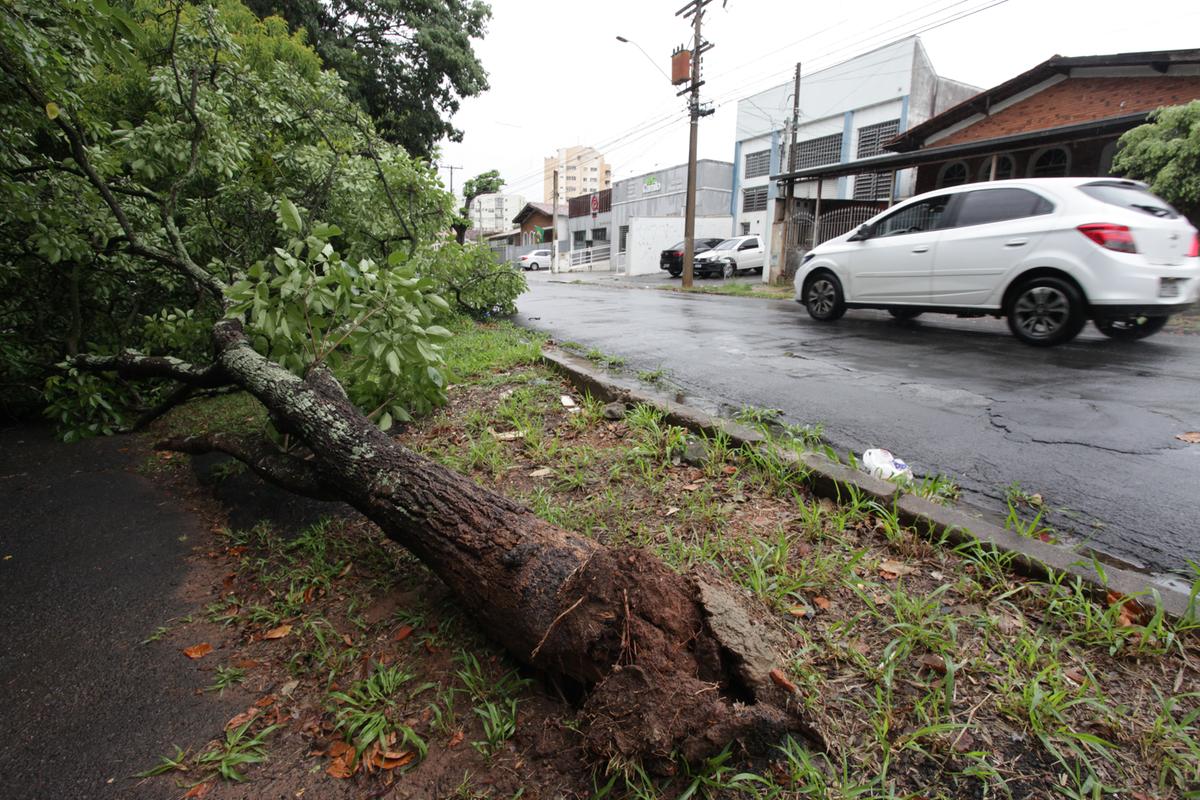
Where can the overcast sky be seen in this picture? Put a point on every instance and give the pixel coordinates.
(560, 78)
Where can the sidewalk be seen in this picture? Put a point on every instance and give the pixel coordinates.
(658, 280)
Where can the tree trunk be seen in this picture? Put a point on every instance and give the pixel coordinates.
(669, 663)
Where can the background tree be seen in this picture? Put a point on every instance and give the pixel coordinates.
(1165, 153)
(408, 63)
(336, 348)
(483, 183)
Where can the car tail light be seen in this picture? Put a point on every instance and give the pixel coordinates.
(1195, 251)
(1112, 237)
(678, 253)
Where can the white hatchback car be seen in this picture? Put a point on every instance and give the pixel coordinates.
(535, 260)
(1047, 253)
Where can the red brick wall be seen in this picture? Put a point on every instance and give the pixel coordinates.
(1079, 100)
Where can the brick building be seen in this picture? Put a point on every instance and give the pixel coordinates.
(1063, 117)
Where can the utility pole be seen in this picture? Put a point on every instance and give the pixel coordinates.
(451, 168)
(695, 10)
(789, 202)
(554, 227)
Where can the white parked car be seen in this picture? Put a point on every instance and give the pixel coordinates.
(741, 253)
(1047, 253)
(538, 259)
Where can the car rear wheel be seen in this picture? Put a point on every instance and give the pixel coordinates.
(674, 273)
(535, 266)
(728, 270)
(1131, 328)
(1046, 311)
(905, 314)
(823, 297)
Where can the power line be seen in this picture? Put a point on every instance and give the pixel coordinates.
(906, 20)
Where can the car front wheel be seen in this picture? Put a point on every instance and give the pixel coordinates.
(1131, 327)
(728, 270)
(823, 297)
(1046, 311)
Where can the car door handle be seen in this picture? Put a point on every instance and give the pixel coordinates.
(921, 248)
(1016, 242)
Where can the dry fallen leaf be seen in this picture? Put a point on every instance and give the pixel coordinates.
(890, 569)
(456, 739)
(264, 701)
(387, 759)
(1076, 676)
(671, 511)
(278, 633)
(691, 487)
(289, 687)
(508, 436)
(246, 663)
(198, 650)
(822, 603)
(544, 472)
(339, 767)
(729, 469)
(934, 662)
(241, 719)
(782, 681)
(402, 634)
(199, 790)
(1191, 437)
(567, 401)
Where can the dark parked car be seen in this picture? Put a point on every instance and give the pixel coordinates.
(672, 258)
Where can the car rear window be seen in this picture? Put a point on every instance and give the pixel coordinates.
(1126, 196)
(997, 205)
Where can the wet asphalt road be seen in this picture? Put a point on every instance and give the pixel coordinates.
(1091, 425)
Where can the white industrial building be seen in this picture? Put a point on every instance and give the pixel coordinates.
(847, 112)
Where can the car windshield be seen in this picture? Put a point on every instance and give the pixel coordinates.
(678, 246)
(1126, 196)
(728, 244)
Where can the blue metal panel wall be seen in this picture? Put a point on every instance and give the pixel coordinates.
(737, 184)
(847, 137)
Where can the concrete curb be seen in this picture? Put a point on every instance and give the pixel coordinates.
(830, 479)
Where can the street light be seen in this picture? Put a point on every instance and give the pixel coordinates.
(623, 40)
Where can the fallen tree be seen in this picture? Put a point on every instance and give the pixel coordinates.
(665, 664)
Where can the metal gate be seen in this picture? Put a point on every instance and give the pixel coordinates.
(803, 233)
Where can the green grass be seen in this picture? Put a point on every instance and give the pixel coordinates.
(225, 678)
(228, 757)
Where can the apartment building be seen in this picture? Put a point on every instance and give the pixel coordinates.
(581, 170)
(494, 212)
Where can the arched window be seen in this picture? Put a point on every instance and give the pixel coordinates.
(1053, 162)
(1006, 168)
(953, 174)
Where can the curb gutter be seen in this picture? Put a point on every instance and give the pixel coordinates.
(832, 480)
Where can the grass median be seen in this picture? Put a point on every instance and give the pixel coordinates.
(931, 670)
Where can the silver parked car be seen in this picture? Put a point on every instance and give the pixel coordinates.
(1047, 253)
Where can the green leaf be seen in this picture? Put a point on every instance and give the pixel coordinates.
(385, 421)
(289, 215)
(435, 376)
(393, 362)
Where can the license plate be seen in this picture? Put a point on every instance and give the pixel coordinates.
(1168, 288)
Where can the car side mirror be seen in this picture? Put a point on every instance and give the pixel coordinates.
(863, 232)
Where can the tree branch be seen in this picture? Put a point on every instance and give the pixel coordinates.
(268, 461)
(134, 365)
